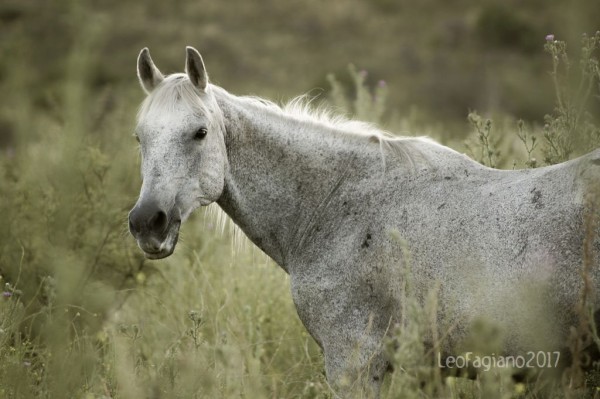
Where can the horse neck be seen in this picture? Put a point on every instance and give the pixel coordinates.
(283, 172)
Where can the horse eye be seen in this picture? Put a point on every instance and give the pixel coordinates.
(137, 138)
(200, 133)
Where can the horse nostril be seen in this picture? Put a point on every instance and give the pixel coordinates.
(158, 222)
(131, 228)
(147, 218)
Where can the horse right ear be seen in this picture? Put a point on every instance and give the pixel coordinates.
(148, 73)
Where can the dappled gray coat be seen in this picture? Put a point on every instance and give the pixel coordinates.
(355, 216)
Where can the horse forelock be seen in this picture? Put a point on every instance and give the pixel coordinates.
(177, 89)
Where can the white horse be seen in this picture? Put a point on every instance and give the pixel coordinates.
(327, 198)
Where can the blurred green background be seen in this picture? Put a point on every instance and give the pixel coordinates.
(442, 58)
(82, 313)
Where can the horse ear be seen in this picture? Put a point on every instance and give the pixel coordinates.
(148, 73)
(194, 67)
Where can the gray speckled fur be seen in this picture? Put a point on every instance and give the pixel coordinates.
(326, 205)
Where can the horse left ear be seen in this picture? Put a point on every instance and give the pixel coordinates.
(194, 67)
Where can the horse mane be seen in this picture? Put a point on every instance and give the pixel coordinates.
(302, 108)
(398, 146)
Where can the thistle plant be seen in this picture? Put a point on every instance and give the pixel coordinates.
(195, 331)
(488, 152)
(530, 142)
(571, 127)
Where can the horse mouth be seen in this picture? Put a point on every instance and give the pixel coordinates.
(156, 249)
(159, 254)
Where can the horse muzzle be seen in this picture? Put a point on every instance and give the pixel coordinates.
(155, 230)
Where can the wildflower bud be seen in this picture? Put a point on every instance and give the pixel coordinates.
(363, 73)
(519, 388)
(381, 84)
(550, 38)
(195, 316)
(140, 278)
(473, 118)
(102, 336)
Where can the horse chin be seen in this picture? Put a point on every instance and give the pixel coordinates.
(167, 247)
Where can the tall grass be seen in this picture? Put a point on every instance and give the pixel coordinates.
(63, 260)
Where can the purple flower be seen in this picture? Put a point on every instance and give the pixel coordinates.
(7, 294)
(363, 73)
(550, 38)
(381, 83)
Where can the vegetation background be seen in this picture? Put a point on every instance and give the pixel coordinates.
(83, 315)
